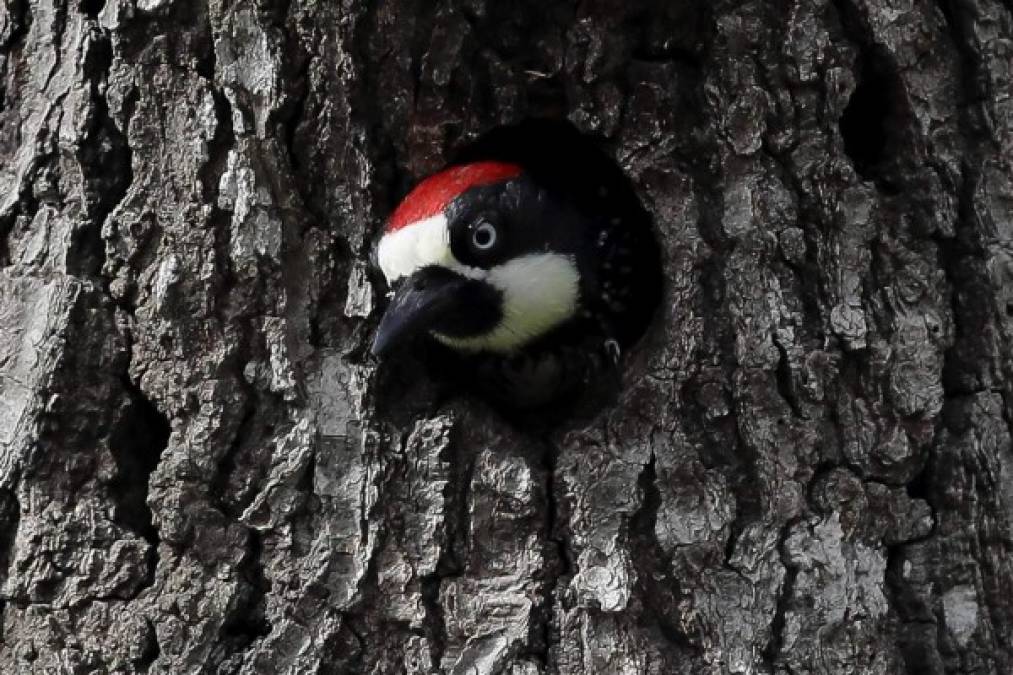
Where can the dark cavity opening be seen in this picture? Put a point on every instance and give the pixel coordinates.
(871, 120)
(137, 444)
(569, 372)
(92, 8)
(574, 165)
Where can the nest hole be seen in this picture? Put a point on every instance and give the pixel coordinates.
(575, 165)
(577, 168)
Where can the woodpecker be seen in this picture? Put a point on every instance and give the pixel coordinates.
(504, 268)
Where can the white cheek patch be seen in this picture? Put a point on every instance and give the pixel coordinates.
(540, 291)
(404, 251)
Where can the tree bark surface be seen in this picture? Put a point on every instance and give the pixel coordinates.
(808, 469)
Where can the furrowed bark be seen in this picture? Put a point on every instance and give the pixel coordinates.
(808, 468)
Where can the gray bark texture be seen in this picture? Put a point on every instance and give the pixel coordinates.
(808, 469)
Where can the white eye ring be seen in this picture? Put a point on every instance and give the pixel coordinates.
(484, 236)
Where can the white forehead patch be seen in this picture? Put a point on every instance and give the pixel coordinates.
(426, 242)
(540, 290)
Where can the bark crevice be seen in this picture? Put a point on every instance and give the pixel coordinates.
(785, 598)
(137, 444)
(805, 468)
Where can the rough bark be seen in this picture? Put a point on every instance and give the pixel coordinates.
(808, 469)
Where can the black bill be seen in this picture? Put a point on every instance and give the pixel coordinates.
(440, 300)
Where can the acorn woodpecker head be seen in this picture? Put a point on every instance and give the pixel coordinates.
(486, 260)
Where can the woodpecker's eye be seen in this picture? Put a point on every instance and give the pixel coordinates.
(484, 236)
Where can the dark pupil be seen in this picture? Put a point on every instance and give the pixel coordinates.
(483, 236)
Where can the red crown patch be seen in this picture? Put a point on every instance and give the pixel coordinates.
(433, 194)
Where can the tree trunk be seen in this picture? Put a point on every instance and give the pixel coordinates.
(808, 469)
